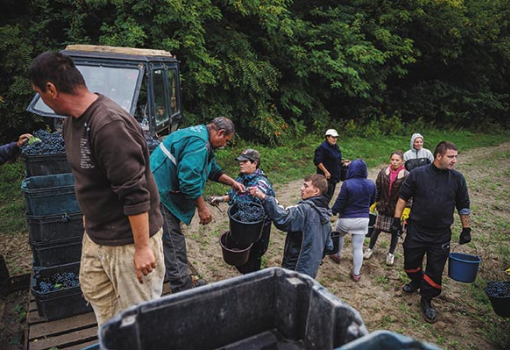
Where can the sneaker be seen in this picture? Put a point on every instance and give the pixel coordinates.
(368, 253)
(390, 259)
(410, 288)
(354, 277)
(427, 310)
(335, 258)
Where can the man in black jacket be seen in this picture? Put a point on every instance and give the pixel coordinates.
(437, 189)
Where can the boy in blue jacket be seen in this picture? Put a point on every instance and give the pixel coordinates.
(307, 225)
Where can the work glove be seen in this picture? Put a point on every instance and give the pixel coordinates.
(373, 206)
(405, 214)
(396, 227)
(465, 235)
(215, 200)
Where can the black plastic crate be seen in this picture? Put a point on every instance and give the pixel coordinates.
(56, 252)
(49, 195)
(45, 164)
(55, 227)
(273, 308)
(58, 304)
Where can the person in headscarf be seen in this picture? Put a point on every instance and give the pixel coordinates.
(417, 156)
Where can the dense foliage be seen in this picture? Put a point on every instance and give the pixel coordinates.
(282, 67)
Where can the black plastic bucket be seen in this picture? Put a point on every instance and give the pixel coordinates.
(500, 298)
(234, 253)
(335, 237)
(371, 222)
(463, 267)
(245, 232)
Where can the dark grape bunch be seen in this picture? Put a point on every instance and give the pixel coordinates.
(59, 281)
(247, 212)
(152, 143)
(51, 143)
(498, 289)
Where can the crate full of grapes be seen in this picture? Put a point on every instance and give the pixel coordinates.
(57, 291)
(46, 156)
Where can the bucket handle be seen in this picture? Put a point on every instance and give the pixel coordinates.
(236, 194)
(456, 245)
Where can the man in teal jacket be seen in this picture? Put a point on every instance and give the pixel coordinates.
(181, 165)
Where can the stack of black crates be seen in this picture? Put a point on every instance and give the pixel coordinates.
(56, 232)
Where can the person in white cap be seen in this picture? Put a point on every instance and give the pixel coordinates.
(328, 160)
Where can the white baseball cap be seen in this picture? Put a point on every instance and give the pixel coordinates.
(331, 132)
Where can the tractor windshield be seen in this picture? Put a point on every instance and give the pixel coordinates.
(117, 83)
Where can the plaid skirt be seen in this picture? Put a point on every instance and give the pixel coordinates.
(383, 222)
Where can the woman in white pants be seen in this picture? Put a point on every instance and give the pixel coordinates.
(358, 227)
(352, 206)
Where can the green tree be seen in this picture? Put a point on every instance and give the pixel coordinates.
(279, 67)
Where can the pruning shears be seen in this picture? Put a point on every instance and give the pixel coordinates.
(214, 204)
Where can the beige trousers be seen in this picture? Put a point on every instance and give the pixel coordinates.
(108, 277)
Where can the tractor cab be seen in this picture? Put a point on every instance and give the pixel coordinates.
(142, 81)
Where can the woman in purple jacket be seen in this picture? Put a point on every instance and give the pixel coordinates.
(352, 206)
(9, 152)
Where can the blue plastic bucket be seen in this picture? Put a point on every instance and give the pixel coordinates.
(463, 267)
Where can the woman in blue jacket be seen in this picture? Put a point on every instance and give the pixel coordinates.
(352, 206)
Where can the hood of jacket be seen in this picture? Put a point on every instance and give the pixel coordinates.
(413, 138)
(320, 204)
(357, 169)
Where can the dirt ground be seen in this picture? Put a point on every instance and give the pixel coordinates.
(463, 323)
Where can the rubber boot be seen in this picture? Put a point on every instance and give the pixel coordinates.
(410, 288)
(428, 312)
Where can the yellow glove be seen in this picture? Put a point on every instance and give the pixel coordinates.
(405, 214)
(372, 207)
